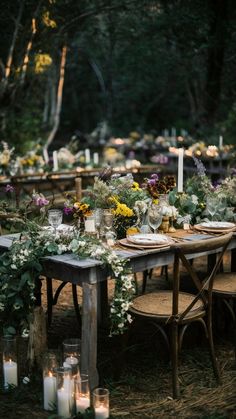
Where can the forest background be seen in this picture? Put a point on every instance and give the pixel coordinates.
(70, 66)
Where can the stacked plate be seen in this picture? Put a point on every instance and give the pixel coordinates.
(216, 226)
(146, 241)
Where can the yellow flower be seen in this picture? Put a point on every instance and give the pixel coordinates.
(123, 210)
(155, 201)
(136, 187)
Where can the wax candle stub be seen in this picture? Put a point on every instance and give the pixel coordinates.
(101, 412)
(82, 404)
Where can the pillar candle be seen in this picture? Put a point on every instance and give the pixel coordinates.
(49, 392)
(87, 156)
(82, 404)
(45, 155)
(180, 169)
(95, 158)
(220, 141)
(63, 403)
(89, 225)
(101, 412)
(55, 161)
(10, 373)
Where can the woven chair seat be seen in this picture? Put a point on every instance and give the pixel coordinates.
(159, 305)
(225, 283)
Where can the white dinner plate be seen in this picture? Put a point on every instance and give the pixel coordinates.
(217, 224)
(148, 239)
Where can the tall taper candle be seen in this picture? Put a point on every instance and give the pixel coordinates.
(180, 169)
(220, 141)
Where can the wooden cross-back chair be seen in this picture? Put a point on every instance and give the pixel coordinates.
(176, 310)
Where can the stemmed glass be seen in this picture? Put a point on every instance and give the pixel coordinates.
(154, 217)
(55, 218)
(211, 205)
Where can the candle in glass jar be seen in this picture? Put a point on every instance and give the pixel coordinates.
(49, 391)
(63, 403)
(180, 169)
(82, 404)
(10, 373)
(101, 412)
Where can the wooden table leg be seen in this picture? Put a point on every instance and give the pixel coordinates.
(89, 330)
(233, 260)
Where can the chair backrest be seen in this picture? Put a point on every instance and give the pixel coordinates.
(184, 252)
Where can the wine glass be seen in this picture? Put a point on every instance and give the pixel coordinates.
(154, 217)
(211, 205)
(55, 218)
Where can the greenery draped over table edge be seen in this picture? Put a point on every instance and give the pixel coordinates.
(21, 264)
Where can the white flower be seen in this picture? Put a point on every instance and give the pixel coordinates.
(13, 266)
(194, 199)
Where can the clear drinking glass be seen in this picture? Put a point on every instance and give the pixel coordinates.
(211, 205)
(154, 217)
(101, 403)
(55, 218)
(10, 368)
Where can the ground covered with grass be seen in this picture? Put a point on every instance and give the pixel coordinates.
(137, 371)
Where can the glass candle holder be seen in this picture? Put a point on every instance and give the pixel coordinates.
(10, 368)
(71, 354)
(89, 224)
(65, 392)
(82, 393)
(50, 363)
(101, 403)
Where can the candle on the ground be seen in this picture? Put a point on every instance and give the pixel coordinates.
(63, 402)
(10, 373)
(49, 391)
(82, 404)
(101, 412)
(180, 169)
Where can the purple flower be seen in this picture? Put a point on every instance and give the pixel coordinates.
(68, 210)
(151, 182)
(9, 188)
(155, 176)
(40, 201)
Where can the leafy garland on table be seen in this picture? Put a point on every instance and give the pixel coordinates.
(20, 265)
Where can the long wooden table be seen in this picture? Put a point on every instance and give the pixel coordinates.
(88, 274)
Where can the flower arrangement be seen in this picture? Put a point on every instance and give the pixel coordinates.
(156, 186)
(77, 209)
(5, 157)
(192, 203)
(21, 264)
(31, 161)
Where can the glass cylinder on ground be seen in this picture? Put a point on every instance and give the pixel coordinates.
(82, 393)
(10, 368)
(64, 392)
(50, 363)
(101, 403)
(71, 354)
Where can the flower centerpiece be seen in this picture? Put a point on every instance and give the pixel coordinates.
(157, 186)
(192, 204)
(120, 193)
(31, 162)
(5, 158)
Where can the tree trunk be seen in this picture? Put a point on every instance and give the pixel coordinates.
(218, 11)
(59, 99)
(37, 338)
(4, 82)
